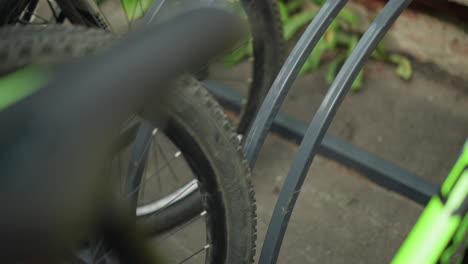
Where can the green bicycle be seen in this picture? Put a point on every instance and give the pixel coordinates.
(439, 236)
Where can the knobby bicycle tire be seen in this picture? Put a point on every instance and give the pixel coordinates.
(268, 44)
(195, 123)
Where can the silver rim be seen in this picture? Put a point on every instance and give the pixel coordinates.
(172, 198)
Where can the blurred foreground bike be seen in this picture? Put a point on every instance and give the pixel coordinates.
(68, 127)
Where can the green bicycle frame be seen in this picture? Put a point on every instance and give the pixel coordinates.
(439, 233)
(20, 84)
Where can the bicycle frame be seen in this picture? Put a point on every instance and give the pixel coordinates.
(322, 118)
(441, 228)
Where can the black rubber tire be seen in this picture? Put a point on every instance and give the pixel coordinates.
(194, 111)
(268, 48)
(195, 123)
(265, 24)
(20, 45)
(268, 44)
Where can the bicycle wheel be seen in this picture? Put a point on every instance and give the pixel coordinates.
(263, 19)
(195, 129)
(267, 45)
(11, 10)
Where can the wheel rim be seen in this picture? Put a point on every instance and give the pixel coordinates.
(176, 196)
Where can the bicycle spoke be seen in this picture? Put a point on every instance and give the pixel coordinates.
(142, 190)
(101, 258)
(176, 155)
(95, 251)
(157, 174)
(196, 253)
(171, 170)
(76, 258)
(183, 226)
(99, 246)
(124, 13)
(140, 5)
(152, 11)
(154, 135)
(155, 155)
(132, 17)
(34, 15)
(52, 9)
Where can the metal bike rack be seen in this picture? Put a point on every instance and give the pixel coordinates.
(374, 168)
(314, 139)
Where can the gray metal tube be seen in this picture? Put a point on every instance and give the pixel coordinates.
(286, 77)
(320, 123)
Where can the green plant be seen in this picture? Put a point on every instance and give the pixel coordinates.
(338, 40)
(133, 8)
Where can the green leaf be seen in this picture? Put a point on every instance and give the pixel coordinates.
(307, 66)
(357, 84)
(332, 69)
(343, 39)
(296, 22)
(379, 52)
(353, 41)
(316, 54)
(237, 55)
(135, 9)
(349, 17)
(330, 39)
(358, 81)
(334, 25)
(250, 49)
(283, 12)
(404, 69)
(330, 36)
(380, 47)
(320, 2)
(313, 61)
(294, 4)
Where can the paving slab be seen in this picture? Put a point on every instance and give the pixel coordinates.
(340, 217)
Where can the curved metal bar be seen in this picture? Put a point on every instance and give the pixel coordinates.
(151, 12)
(317, 128)
(138, 161)
(286, 77)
